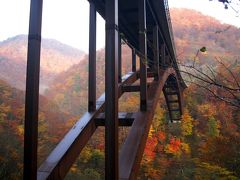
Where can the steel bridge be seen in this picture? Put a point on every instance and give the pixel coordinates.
(146, 27)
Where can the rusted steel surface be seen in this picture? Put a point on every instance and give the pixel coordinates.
(32, 91)
(132, 150)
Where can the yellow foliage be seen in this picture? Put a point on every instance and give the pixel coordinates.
(207, 110)
(158, 119)
(74, 168)
(59, 98)
(151, 131)
(187, 123)
(185, 148)
(20, 130)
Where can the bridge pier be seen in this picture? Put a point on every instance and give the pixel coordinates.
(133, 60)
(32, 91)
(143, 56)
(156, 52)
(163, 55)
(111, 90)
(119, 58)
(92, 59)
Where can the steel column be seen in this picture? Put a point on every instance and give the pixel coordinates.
(92, 59)
(111, 89)
(133, 60)
(32, 91)
(119, 59)
(143, 51)
(167, 57)
(156, 52)
(163, 54)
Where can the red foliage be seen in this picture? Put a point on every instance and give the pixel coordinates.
(161, 136)
(150, 149)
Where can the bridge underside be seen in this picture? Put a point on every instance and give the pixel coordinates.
(145, 27)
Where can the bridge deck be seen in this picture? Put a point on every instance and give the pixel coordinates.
(129, 22)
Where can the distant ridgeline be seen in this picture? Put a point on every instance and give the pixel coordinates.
(55, 58)
(193, 30)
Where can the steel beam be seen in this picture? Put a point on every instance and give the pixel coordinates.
(171, 101)
(143, 51)
(133, 88)
(32, 91)
(156, 52)
(163, 54)
(92, 60)
(133, 60)
(124, 118)
(119, 59)
(133, 148)
(172, 93)
(111, 90)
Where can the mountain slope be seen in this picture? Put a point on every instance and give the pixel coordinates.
(55, 58)
(52, 125)
(193, 30)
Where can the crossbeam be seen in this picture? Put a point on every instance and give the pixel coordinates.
(133, 88)
(124, 119)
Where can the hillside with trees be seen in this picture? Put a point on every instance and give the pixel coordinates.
(193, 30)
(205, 145)
(53, 124)
(55, 58)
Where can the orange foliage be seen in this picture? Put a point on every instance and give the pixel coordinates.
(150, 149)
(161, 136)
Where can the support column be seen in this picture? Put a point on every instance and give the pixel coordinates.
(92, 59)
(167, 61)
(119, 59)
(111, 89)
(143, 50)
(163, 54)
(156, 52)
(133, 60)
(32, 91)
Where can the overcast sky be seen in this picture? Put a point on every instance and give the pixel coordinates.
(67, 20)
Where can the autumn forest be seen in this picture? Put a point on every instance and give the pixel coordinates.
(204, 145)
